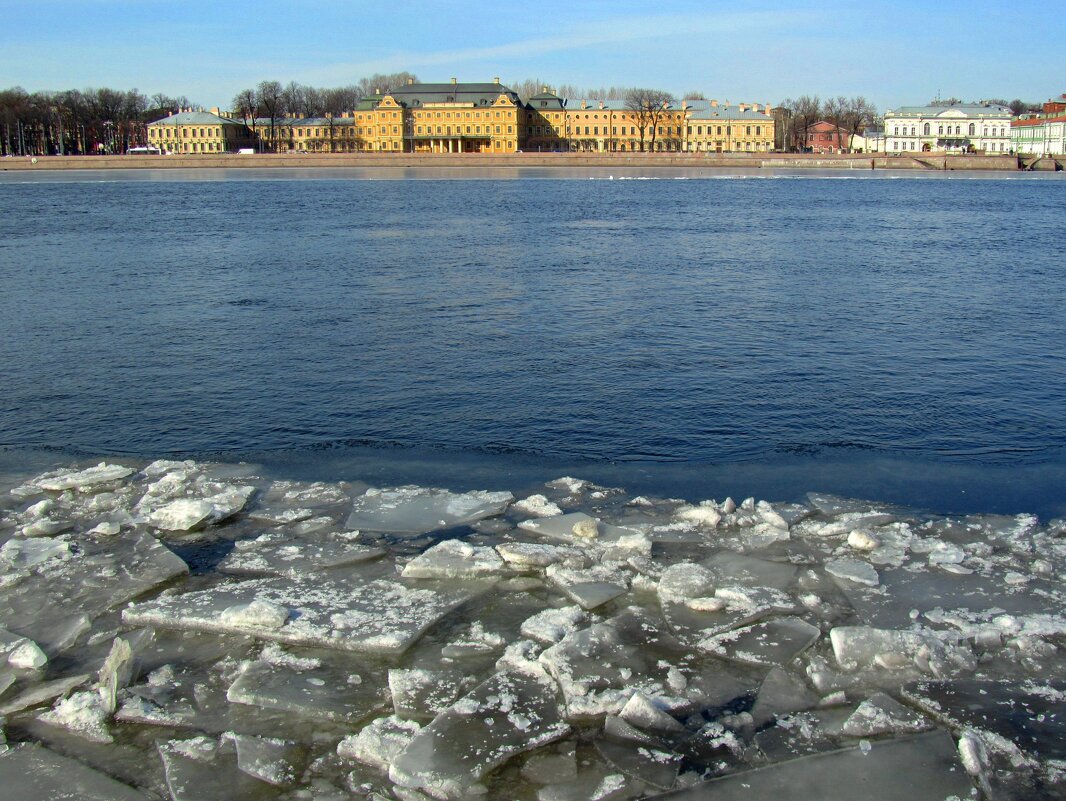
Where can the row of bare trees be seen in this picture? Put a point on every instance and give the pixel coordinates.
(795, 117)
(270, 102)
(77, 122)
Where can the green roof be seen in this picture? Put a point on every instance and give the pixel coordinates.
(197, 118)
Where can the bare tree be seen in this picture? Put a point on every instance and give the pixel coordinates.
(803, 113)
(648, 106)
(270, 101)
(694, 95)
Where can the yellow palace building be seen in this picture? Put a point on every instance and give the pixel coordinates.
(480, 118)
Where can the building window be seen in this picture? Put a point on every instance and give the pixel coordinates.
(926, 129)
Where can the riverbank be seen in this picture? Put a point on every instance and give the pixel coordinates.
(919, 162)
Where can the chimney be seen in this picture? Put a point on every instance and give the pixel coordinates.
(215, 111)
(741, 107)
(584, 104)
(544, 90)
(410, 81)
(454, 81)
(769, 109)
(496, 80)
(601, 104)
(684, 105)
(714, 104)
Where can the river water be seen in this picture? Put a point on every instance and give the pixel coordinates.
(892, 335)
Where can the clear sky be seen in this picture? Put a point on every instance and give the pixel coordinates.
(895, 52)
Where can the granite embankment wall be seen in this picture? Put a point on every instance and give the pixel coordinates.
(615, 160)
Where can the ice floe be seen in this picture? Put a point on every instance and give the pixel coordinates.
(189, 630)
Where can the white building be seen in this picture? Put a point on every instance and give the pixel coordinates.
(962, 128)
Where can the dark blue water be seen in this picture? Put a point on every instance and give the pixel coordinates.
(716, 322)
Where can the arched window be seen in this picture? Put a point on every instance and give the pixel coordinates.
(926, 129)
(973, 129)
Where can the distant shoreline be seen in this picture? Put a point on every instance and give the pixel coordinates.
(918, 162)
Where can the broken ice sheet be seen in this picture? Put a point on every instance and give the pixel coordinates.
(268, 759)
(507, 714)
(921, 768)
(28, 771)
(882, 714)
(652, 766)
(53, 603)
(578, 528)
(380, 742)
(268, 555)
(936, 652)
(323, 692)
(423, 694)
(83, 480)
(590, 587)
(413, 510)
(772, 642)
(455, 559)
(200, 769)
(333, 611)
(1028, 714)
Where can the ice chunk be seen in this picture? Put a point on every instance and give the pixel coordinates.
(455, 559)
(527, 555)
(380, 742)
(737, 569)
(773, 642)
(684, 581)
(424, 694)
(256, 614)
(706, 514)
(319, 693)
(476, 641)
(86, 479)
(115, 673)
(268, 759)
(21, 653)
(859, 647)
(552, 625)
(641, 711)
(591, 587)
(83, 713)
(853, 570)
(20, 553)
(653, 766)
(415, 510)
(929, 763)
(28, 771)
(344, 612)
(199, 770)
(881, 714)
(571, 485)
(41, 693)
(538, 506)
(508, 714)
(577, 528)
(863, 540)
(781, 693)
(295, 558)
(593, 667)
(184, 514)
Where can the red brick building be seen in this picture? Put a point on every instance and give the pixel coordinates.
(824, 137)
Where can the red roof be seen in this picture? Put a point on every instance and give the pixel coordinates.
(1036, 121)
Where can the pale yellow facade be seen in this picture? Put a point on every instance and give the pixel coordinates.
(730, 129)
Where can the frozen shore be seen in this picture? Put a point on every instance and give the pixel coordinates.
(199, 630)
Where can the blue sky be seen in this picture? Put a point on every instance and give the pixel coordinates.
(894, 52)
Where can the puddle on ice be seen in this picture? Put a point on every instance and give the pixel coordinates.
(330, 640)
